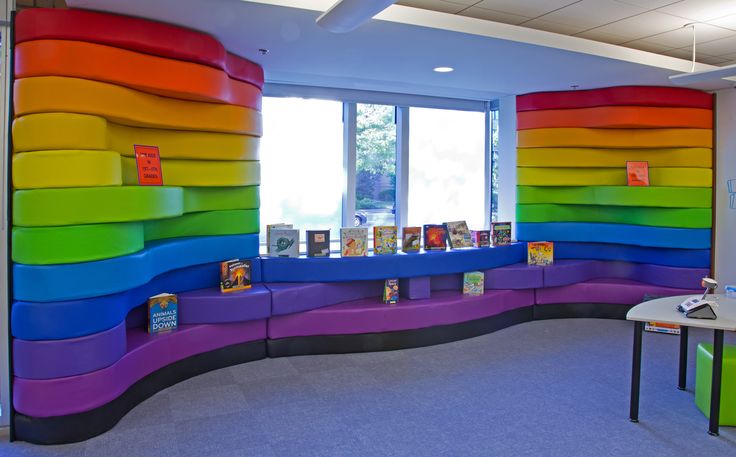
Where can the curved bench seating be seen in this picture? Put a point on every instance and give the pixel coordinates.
(512, 277)
(290, 298)
(75, 356)
(658, 177)
(658, 217)
(695, 258)
(615, 96)
(109, 276)
(50, 94)
(136, 34)
(77, 206)
(613, 291)
(145, 354)
(75, 318)
(637, 235)
(78, 59)
(616, 117)
(372, 316)
(323, 269)
(666, 197)
(614, 158)
(568, 272)
(85, 243)
(60, 130)
(615, 138)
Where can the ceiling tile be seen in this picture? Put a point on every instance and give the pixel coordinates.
(592, 13)
(713, 60)
(646, 45)
(681, 53)
(728, 22)
(549, 26)
(649, 4)
(597, 35)
(718, 48)
(642, 25)
(496, 16)
(683, 37)
(701, 10)
(529, 8)
(434, 5)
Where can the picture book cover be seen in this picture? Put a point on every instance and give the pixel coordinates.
(501, 233)
(318, 243)
(284, 242)
(473, 283)
(637, 173)
(411, 239)
(384, 239)
(481, 238)
(268, 233)
(235, 275)
(458, 235)
(435, 237)
(163, 313)
(540, 253)
(391, 291)
(659, 327)
(354, 241)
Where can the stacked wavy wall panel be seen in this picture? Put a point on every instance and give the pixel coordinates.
(90, 245)
(572, 185)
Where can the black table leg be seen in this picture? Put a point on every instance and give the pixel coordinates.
(715, 385)
(682, 380)
(636, 373)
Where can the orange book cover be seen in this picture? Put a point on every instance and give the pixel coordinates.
(637, 173)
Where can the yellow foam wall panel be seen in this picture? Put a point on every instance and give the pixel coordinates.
(615, 138)
(592, 158)
(197, 173)
(48, 131)
(664, 177)
(66, 168)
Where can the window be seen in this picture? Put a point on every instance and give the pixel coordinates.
(375, 170)
(446, 167)
(301, 164)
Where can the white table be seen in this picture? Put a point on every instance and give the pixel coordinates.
(664, 310)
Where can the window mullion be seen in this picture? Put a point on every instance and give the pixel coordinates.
(349, 163)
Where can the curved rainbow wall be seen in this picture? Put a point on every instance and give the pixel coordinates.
(573, 148)
(89, 245)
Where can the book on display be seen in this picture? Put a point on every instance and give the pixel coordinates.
(284, 242)
(501, 233)
(318, 243)
(235, 275)
(540, 253)
(435, 237)
(411, 239)
(384, 239)
(353, 241)
(458, 234)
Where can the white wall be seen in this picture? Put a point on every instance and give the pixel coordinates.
(725, 242)
(507, 161)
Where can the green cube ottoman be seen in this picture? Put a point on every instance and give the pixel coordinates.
(703, 375)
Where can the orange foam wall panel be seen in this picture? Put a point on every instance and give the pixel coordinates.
(145, 72)
(617, 117)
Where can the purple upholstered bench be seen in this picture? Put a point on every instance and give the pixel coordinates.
(372, 316)
(614, 291)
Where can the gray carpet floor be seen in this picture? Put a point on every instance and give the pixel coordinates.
(544, 388)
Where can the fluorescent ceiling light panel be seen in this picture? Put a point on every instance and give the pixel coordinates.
(347, 15)
(704, 76)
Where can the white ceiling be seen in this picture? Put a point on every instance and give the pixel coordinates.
(649, 25)
(396, 51)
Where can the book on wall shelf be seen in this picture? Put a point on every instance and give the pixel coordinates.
(391, 291)
(354, 241)
(435, 237)
(637, 173)
(411, 239)
(473, 283)
(458, 235)
(540, 253)
(235, 275)
(481, 238)
(318, 243)
(384, 239)
(660, 327)
(268, 233)
(163, 313)
(501, 233)
(284, 242)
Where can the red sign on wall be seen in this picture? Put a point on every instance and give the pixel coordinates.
(148, 161)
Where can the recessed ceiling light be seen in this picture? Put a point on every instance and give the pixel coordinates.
(444, 69)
